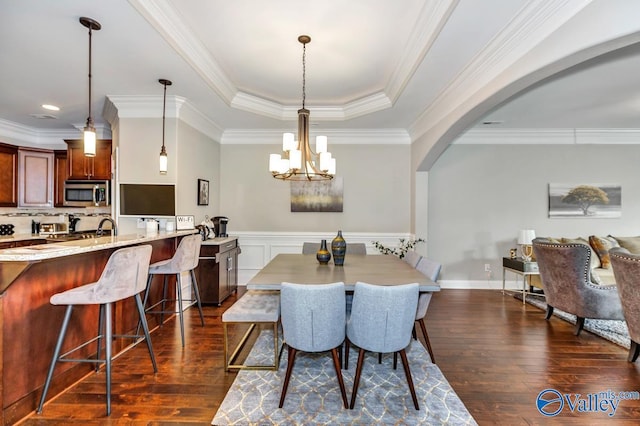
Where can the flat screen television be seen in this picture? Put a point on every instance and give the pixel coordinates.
(147, 200)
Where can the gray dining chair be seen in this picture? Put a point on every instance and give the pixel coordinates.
(381, 320)
(626, 269)
(313, 320)
(431, 269)
(412, 258)
(311, 248)
(352, 248)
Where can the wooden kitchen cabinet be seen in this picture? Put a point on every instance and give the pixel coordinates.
(60, 171)
(35, 178)
(8, 175)
(217, 272)
(89, 168)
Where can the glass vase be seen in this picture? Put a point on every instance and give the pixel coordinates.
(339, 249)
(323, 254)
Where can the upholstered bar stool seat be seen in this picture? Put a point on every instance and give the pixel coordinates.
(185, 260)
(254, 307)
(124, 276)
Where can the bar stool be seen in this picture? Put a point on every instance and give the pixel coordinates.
(123, 276)
(185, 259)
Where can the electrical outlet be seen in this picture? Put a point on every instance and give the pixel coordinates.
(487, 267)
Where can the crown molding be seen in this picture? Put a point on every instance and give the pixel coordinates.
(535, 22)
(45, 138)
(162, 15)
(168, 22)
(550, 137)
(126, 106)
(336, 137)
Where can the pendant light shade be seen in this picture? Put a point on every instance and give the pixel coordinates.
(163, 151)
(89, 133)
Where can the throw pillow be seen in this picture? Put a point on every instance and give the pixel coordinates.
(602, 245)
(595, 260)
(630, 243)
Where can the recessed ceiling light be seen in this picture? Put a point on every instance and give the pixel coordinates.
(50, 107)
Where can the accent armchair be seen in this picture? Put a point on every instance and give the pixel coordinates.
(626, 269)
(565, 274)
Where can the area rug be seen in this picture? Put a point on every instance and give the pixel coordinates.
(314, 398)
(613, 330)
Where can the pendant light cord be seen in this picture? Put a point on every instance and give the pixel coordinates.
(89, 119)
(304, 72)
(164, 107)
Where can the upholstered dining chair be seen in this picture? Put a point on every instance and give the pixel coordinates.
(310, 248)
(431, 269)
(381, 321)
(412, 258)
(565, 272)
(313, 320)
(626, 269)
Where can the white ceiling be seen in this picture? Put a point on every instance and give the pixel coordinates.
(371, 64)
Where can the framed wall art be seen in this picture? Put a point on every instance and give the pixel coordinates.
(594, 200)
(317, 196)
(203, 192)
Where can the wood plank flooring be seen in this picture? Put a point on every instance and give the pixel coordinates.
(496, 353)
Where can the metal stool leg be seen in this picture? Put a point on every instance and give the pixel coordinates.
(145, 328)
(100, 334)
(107, 350)
(54, 358)
(164, 298)
(179, 294)
(196, 292)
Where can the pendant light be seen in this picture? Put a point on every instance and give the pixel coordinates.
(299, 161)
(89, 134)
(163, 151)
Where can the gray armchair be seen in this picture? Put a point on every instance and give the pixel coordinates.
(313, 320)
(565, 273)
(381, 321)
(626, 269)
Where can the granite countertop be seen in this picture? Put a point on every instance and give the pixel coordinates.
(69, 248)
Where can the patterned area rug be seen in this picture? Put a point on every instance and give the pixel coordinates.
(314, 398)
(613, 330)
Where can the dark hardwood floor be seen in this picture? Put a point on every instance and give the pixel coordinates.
(496, 353)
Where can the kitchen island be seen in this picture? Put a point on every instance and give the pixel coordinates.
(29, 324)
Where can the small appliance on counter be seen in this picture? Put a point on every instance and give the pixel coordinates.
(220, 226)
(54, 228)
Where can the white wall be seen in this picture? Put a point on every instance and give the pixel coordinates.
(480, 196)
(377, 195)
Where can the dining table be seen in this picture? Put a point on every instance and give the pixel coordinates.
(369, 268)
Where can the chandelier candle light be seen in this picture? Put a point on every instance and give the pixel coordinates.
(299, 161)
(89, 134)
(163, 151)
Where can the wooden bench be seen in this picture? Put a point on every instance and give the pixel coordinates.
(254, 307)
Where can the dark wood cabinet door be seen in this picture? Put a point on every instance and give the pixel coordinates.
(216, 272)
(35, 178)
(90, 168)
(60, 175)
(8, 175)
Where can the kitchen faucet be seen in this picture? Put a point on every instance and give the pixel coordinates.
(114, 228)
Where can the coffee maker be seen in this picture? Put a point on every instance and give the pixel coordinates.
(220, 226)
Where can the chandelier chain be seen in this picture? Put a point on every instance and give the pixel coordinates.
(304, 73)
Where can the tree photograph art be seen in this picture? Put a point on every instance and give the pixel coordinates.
(586, 200)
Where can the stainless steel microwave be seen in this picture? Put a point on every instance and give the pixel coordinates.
(86, 193)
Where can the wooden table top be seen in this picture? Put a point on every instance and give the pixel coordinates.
(372, 269)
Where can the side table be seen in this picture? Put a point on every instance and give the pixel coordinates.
(519, 267)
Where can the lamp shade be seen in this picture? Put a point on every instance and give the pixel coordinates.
(526, 236)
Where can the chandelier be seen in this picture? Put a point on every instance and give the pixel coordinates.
(298, 161)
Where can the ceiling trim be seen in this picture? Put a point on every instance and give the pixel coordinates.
(168, 22)
(550, 137)
(337, 137)
(150, 106)
(535, 22)
(46, 138)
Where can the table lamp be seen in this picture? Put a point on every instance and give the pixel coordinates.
(525, 239)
